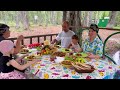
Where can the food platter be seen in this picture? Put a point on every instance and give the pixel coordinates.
(24, 51)
(83, 68)
(60, 54)
(32, 57)
(65, 50)
(75, 58)
(47, 49)
(84, 55)
(66, 63)
(57, 46)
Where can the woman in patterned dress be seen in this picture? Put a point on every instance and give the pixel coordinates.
(93, 45)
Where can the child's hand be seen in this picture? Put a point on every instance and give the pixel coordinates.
(76, 50)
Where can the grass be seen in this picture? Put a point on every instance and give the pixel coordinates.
(117, 27)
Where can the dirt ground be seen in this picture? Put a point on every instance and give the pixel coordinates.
(56, 29)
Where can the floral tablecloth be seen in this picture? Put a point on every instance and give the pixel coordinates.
(45, 69)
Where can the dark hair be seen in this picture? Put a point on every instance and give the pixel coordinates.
(75, 37)
(94, 27)
(3, 28)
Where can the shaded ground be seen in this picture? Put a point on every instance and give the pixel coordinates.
(37, 31)
(113, 44)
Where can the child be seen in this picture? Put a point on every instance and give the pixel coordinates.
(74, 44)
(8, 65)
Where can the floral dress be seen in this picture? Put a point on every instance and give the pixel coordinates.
(95, 47)
(9, 72)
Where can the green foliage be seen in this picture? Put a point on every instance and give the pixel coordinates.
(44, 17)
(118, 20)
(104, 14)
(48, 18)
(117, 27)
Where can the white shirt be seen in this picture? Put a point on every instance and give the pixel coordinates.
(75, 46)
(35, 17)
(65, 37)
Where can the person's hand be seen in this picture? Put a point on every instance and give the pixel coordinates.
(78, 50)
(25, 55)
(20, 38)
(23, 46)
(33, 61)
(90, 55)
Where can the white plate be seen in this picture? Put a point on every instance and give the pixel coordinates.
(59, 59)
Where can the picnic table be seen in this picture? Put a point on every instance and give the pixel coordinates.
(46, 69)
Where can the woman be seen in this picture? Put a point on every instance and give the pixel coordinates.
(93, 45)
(5, 34)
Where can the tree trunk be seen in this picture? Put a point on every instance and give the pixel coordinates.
(71, 20)
(54, 18)
(64, 15)
(95, 17)
(85, 19)
(46, 19)
(78, 26)
(4, 17)
(39, 18)
(24, 19)
(111, 22)
(75, 23)
(17, 19)
(88, 18)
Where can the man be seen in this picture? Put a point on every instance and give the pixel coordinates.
(5, 34)
(65, 36)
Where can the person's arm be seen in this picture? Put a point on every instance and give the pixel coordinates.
(69, 45)
(84, 45)
(92, 56)
(20, 58)
(99, 51)
(79, 50)
(54, 41)
(21, 67)
(18, 44)
(58, 38)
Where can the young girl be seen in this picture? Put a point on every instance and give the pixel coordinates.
(8, 65)
(74, 44)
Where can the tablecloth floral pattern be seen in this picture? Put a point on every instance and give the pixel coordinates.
(45, 69)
